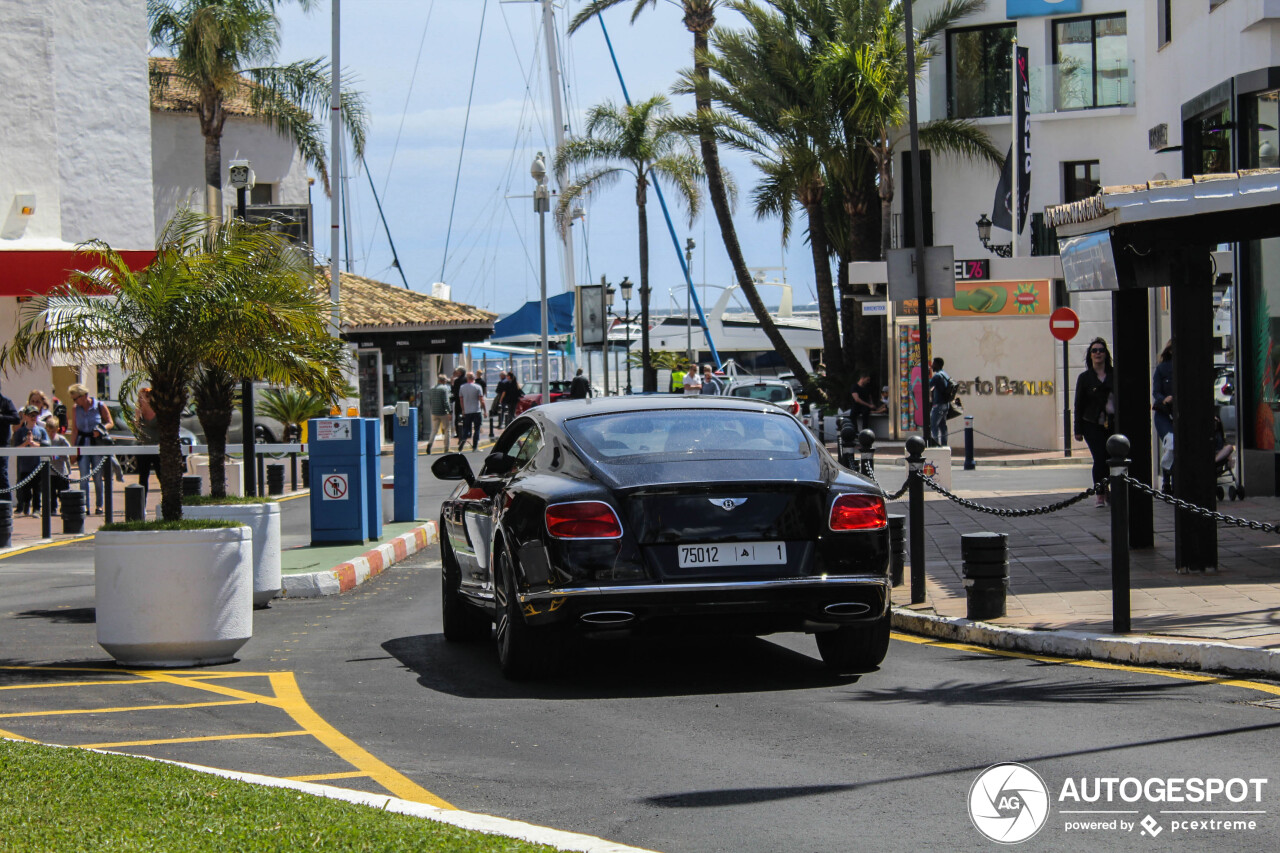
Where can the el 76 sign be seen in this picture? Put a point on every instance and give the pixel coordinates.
(973, 270)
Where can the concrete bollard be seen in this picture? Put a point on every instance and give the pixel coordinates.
(897, 548)
(71, 509)
(6, 523)
(190, 485)
(135, 499)
(275, 478)
(985, 558)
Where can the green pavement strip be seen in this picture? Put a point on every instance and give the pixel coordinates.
(319, 558)
(70, 799)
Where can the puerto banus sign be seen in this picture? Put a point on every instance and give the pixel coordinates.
(1040, 8)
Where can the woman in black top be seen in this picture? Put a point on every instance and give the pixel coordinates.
(1095, 409)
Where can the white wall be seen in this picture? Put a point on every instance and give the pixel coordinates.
(178, 162)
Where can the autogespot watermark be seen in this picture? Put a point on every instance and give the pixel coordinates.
(1009, 803)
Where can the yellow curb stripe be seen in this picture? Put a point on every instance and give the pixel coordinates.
(206, 739)
(15, 736)
(124, 710)
(291, 700)
(1092, 664)
(43, 545)
(324, 777)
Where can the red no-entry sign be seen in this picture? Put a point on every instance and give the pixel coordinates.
(1063, 324)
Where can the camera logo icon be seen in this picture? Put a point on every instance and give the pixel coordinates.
(1008, 803)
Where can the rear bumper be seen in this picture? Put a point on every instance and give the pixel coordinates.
(757, 606)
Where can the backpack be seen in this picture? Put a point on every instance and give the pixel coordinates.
(949, 390)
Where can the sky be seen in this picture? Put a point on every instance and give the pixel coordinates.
(413, 61)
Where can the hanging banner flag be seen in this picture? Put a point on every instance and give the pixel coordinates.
(1019, 154)
(1022, 67)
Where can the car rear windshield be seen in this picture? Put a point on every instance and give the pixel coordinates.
(666, 435)
(768, 393)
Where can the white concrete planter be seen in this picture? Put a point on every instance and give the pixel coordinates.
(174, 597)
(264, 520)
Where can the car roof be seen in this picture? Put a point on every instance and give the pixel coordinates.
(564, 410)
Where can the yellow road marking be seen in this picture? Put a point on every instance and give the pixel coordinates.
(44, 545)
(321, 777)
(124, 709)
(288, 697)
(165, 740)
(1093, 664)
(286, 688)
(15, 736)
(68, 683)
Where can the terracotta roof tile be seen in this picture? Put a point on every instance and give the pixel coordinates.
(170, 93)
(370, 305)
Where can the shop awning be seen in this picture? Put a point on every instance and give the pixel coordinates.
(34, 272)
(526, 321)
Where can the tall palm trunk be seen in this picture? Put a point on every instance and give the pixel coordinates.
(214, 392)
(863, 347)
(649, 373)
(168, 400)
(212, 118)
(821, 249)
(720, 197)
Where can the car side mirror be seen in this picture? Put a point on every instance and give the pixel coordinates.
(453, 466)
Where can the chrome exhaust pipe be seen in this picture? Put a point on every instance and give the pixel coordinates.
(608, 618)
(847, 609)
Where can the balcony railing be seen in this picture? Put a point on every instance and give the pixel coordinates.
(1066, 87)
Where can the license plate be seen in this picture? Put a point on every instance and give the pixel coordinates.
(733, 554)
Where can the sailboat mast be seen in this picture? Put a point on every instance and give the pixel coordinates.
(557, 113)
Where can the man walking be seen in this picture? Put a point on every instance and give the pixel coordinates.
(940, 400)
(711, 384)
(459, 376)
(579, 388)
(500, 392)
(438, 406)
(471, 398)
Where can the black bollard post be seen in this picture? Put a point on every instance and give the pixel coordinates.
(71, 503)
(260, 462)
(1118, 462)
(847, 445)
(135, 502)
(46, 500)
(108, 490)
(985, 567)
(275, 478)
(6, 523)
(897, 548)
(305, 462)
(867, 446)
(915, 491)
(293, 472)
(822, 428)
(969, 464)
(840, 439)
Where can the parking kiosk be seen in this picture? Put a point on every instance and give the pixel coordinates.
(341, 503)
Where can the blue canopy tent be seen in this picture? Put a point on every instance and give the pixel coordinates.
(525, 322)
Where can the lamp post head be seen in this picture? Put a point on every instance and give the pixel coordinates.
(608, 295)
(984, 228)
(625, 285)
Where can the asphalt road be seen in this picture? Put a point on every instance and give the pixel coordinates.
(691, 745)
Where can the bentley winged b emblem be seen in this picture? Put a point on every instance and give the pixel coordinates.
(728, 504)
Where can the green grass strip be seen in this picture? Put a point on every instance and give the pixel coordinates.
(74, 800)
(208, 500)
(181, 524)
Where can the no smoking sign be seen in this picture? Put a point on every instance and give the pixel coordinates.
(334, 487)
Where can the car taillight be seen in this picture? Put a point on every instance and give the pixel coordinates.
(795, 408)
(583, 520)
(858, 512)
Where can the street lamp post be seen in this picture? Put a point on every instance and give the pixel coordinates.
(606, 294)
(689, 246)
(626, 301)
(240, 176)
(984, 234)
(541, 206)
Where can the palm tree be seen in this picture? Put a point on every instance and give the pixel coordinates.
(292, 407)
(637, 140)
(775, 107)
(206, 298)
(215, 45)
(699, 19)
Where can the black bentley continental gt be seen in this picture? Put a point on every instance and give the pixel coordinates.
(662, 514)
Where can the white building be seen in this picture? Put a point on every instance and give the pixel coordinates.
(75, 149)
(1121, 92)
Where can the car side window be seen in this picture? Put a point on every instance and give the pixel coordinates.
(527, 446)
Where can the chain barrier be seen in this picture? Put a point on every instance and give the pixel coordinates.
(870, 474)
(93, 472)
(32, 476)
(1004, 512)
(1222, 518)
(1015, 444)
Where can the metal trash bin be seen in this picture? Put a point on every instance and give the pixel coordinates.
(985, 566)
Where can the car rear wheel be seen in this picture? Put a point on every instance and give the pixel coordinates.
(855, 648)
(462, 622)
(523, 652)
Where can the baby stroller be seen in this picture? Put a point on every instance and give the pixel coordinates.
(1224, 465)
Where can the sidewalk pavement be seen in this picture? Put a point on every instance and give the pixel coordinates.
(1060, 602)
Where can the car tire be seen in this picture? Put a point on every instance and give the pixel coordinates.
(524, 653)
(462, 622)
(855, 648)
(128, 464)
